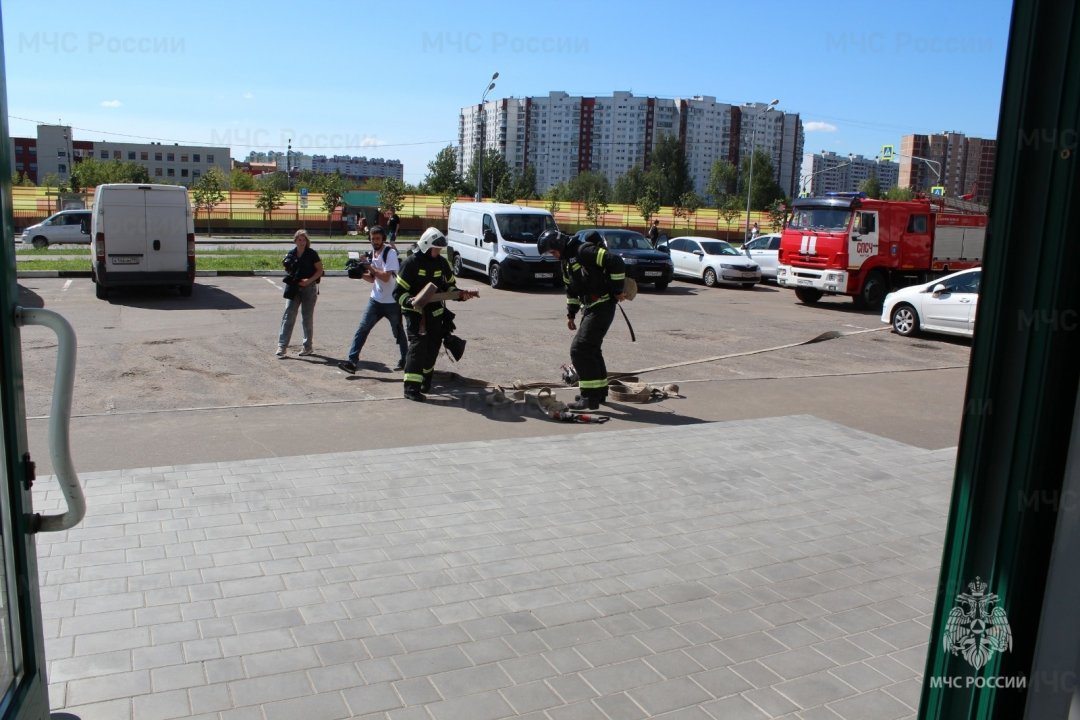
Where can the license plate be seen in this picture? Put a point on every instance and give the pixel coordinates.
(803, 282)
(545, 276)
(653, 273)
(125, 259)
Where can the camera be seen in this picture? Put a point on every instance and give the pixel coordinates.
(290, 262)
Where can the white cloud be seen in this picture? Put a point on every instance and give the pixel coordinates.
(249, 95)
(819, 126)
(370, 141)
(111, 103)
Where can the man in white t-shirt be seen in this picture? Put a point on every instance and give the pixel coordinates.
(381, 273)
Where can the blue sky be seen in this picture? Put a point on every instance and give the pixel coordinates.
(387, 79)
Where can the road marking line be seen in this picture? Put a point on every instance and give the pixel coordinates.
(270, 281)
(66, 285)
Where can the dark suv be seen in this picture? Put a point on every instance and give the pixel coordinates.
(644, 263)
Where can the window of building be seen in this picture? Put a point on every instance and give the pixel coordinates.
(157, 157)
(196, 173)
(117, 154)
(183, 172)
(131, 154)
(104, 154)
(157, 172)
(170, 172)
(195, 157)
(171, 157)
(62, 167)
(33, 150)
(183, 158)
(61, 153)
(144, 155)
(210, 159)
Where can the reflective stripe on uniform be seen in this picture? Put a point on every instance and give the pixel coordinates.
(592, 384)
(414, 378)
(597, 301)
(402, 283)
(617, 276)
(600, 256)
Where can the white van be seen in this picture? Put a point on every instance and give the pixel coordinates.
(499, 241)
(67, 226)
(142, 235)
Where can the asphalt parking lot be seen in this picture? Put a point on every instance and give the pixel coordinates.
(163, 379)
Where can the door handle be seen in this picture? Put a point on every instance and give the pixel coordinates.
(157, 244)
(59, 420)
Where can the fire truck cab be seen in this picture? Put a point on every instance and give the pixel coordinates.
(848, 244)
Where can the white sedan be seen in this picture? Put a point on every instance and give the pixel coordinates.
(712, 261)
(764, 250)
(946, 305)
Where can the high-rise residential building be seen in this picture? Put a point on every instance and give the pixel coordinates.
(56, 152)
(560, 135)
(829, 172)
(963, 166)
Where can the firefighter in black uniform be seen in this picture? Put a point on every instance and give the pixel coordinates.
(425, 328)
(594, 283)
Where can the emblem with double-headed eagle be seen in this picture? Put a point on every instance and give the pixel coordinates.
(977, 627)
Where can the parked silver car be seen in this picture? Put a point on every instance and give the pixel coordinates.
(65, 227)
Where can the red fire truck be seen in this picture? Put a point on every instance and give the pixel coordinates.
(848, 244)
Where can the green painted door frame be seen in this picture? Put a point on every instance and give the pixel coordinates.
(1021, 400)
(28, 698)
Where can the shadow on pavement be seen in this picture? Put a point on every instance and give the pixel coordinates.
(29, 299)
(203, 297)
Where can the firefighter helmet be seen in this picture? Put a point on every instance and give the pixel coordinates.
(432, 237)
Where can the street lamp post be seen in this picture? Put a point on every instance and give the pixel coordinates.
(483, 124)
(753, 149)
(288, 166)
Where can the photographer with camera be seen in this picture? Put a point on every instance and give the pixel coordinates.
(380, 269)
(303, 269)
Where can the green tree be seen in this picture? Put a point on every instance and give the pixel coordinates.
(270, 196)
(631, 186)
(765, 189)
(668, 170)
(899, 193)
(443, 175)
(504, 192)
(647, 204)
(391, 195)
(23, 180)
(721, 181)
(240, 180)
(495, 169)
(525, 184)
(686, 205)
(554, 197)
(586, 184)
(207, 194)
(730, 210)
(871, 186)
(447, 198)
(50, 181)
(91, 172)
(332, 188)
(777, 214)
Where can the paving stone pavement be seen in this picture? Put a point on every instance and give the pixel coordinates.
(774, 568)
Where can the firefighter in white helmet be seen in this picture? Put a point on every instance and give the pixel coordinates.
(425, 327)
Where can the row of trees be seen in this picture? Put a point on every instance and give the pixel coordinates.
(666, 182)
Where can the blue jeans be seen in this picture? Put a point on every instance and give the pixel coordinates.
(305, 303)
(374, 312)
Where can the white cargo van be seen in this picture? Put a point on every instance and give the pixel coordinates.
(142, 235)
(499, 241)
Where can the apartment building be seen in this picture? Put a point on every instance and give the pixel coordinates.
(560, 135)
(830, 172)
(55, 152)
(963, 166)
